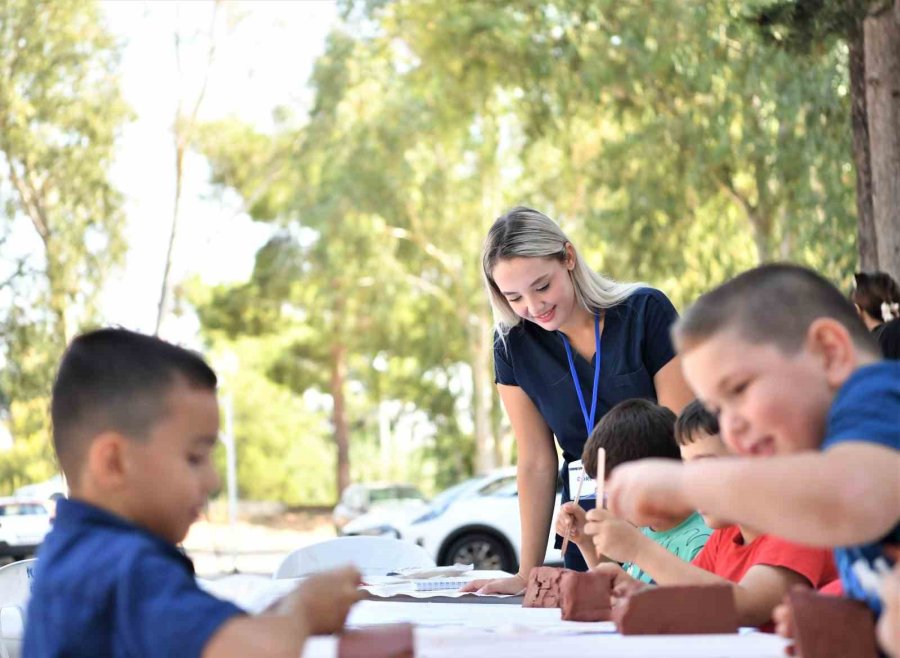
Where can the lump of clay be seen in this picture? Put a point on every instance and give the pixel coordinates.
(831, 626)
(585, 596)
(680, 610)
(543, 588)
(390, 641)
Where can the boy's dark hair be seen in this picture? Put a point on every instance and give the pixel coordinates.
(694, 419)
(631, 430)
(773, 303)
(115, 379)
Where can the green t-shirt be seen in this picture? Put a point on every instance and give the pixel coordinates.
(684, 540)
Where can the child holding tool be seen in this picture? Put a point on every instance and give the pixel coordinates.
(632, 430)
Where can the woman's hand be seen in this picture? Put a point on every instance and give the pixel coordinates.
(512, 585)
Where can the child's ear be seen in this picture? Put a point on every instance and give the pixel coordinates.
(830, 339)
(106, 460)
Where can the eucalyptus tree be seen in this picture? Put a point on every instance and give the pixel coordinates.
(60, 111)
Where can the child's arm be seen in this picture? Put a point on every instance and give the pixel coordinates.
(571, 520)
(318, 606)
(847, 495)
(756, 595)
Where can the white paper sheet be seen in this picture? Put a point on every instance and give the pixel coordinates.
(390, 586)
(483, 616)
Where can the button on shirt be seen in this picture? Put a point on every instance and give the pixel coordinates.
(105, 587)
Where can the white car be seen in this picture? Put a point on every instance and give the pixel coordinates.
(23, 525)
(358, 500)
(476, 522)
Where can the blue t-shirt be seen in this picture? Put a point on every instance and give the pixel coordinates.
(866, 409)
(105, 587)
(634, 346)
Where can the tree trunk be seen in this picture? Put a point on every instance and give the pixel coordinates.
(761, 236)
(485, 446)
(58, 297)
(339, 415)
(859, 121)
(882, 53)
(173, 229)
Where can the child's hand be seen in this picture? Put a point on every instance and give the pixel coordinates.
(570, 520)
(622, 585)
(323, 600)
(889, 624)
(616, 539)
(648, 492)
(783, 616)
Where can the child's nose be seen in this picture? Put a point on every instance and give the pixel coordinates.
(734, 431)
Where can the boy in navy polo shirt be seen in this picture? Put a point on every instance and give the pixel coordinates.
(135, 420)
(782, 358)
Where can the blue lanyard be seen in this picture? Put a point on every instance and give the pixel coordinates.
(588, 420)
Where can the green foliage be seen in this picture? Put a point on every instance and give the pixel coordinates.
(674, 144)
(60, 111)
(283, 447)
(677, 143)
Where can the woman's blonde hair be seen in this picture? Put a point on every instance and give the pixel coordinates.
(526, 233)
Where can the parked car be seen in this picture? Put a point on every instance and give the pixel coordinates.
(23, 525)
(359, 499)
(476, 522)
(386, 522)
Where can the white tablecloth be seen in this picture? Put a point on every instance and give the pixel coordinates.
(461, 630)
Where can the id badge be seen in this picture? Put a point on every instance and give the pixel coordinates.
(576, 475)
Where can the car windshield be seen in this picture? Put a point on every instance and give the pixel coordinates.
(394, 493)
(447, 496)
(22, 509)
(505, 486)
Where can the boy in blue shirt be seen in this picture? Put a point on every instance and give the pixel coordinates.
(135, 420)
(783, 360)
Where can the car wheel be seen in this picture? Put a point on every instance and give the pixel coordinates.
(485, 551)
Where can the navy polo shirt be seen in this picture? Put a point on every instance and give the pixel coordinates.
(634, 346)
(105, 587)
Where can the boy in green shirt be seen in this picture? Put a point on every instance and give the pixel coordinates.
(632, 430)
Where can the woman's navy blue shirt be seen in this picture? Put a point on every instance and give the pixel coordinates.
(634, 346)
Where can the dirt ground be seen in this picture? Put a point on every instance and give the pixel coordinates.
(253, 545)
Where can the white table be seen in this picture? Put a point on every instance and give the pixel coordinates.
(462, 630)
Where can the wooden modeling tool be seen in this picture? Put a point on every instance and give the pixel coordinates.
(601, 465)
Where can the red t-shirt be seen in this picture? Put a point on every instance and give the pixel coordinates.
(726, 555)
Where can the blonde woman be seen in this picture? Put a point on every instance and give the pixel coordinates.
(569, 345)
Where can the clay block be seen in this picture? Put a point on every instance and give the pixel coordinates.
(390, 641)
(543, 588)
(585, 596)
(831, 626)
(681, 610)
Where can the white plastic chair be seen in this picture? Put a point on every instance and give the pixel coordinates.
(371, 555)
(15, 590)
